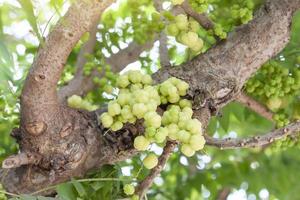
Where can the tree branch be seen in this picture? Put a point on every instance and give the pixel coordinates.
(255, 106)
(75, 84)
(81, 85)
(39, 91)
(147, 182)
(201, 18)
(163, 39)
(292, 129)
(128, 55)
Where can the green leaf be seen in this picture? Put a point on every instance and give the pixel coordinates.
(79, 188)
(66, 191)
(28, 9)
(27, 197)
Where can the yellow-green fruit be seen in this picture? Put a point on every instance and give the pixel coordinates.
(187, 150)
(135, 76)
(188, 111)
(177, 2)
(198, 45)
(173, 130)
(194, 126)
(128, 189)
(126, 113)
(194, 26)
(106, 120)
(150, 161)
(116, 126)
(146, 79)
(123, 99)
(114, 108)
(172, 30)
(274, 103)
(161, 135)
(152, 119)
(141, 143)
(74, 101)
(185, 103)
(139, 110)
(122, 81)
(183, 136)
(108, 89)
(181, 22)
(197, 142)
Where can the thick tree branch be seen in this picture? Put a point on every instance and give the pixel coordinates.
(292, 129)
(39, 90)
(147, 182)
(201, 18)
(255, 106)
(76, 83)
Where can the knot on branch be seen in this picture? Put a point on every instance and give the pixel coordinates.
(36, 128)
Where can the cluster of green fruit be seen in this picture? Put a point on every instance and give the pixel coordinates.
(200, 5)
(142, 24)
(275, 84)
(138, 99)
(185, 30)
(243, 11)
(272, 82)
(2, 194)
(97, 63)
(107, 82)
(283, 144)
(281, 119)
(77, 102)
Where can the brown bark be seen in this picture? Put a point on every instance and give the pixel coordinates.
(255, 106)
(70, 142)
(202, 18)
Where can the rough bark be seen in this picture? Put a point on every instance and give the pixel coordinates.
(75, 85)
(70, 142)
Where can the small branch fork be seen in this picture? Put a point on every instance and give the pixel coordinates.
(147, 182)
(255, 106)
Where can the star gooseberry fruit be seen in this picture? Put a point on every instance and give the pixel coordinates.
(139, 100)
(150, 161)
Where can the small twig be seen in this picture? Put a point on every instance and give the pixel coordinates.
(20, 159)
(201, 18)
(147, 182)
(292, 129)
(255, 106)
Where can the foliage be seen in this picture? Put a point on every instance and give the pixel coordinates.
(203, 176)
